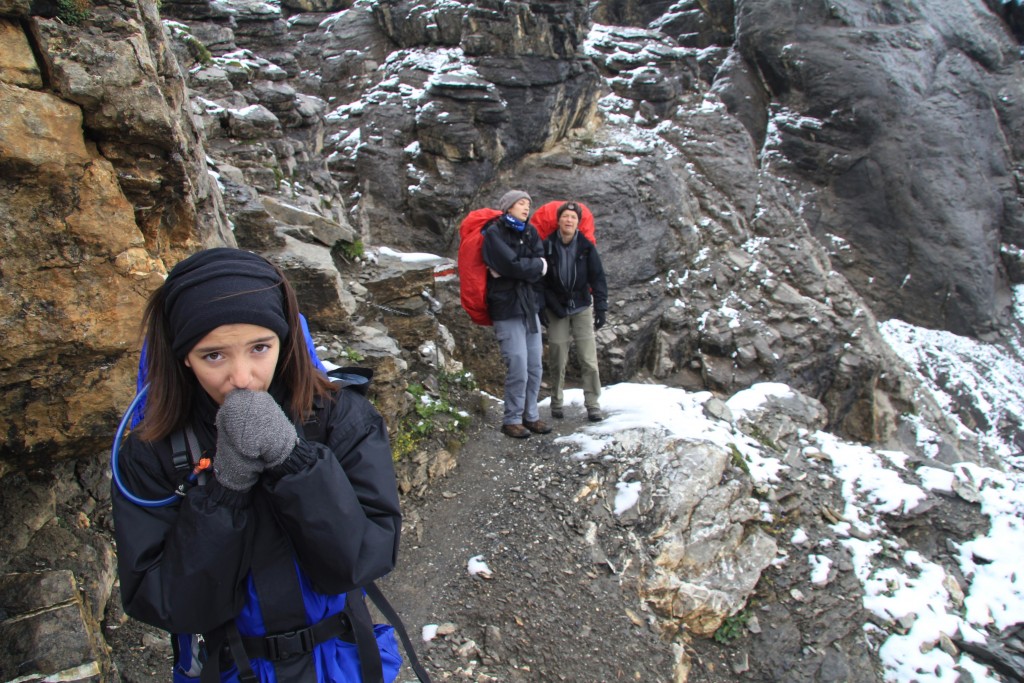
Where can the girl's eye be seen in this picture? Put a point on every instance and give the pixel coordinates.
(261, 348)
(213, 356)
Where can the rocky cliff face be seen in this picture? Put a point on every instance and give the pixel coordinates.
(711, 169)
(768, 179)
(782, 180)
(103, 179)
(906, 120)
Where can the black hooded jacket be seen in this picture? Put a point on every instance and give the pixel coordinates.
(518, 258)
(586, 277)
(183, 567)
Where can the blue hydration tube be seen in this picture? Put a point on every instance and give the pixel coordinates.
(116, 449)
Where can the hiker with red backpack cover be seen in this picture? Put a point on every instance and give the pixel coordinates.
(545, 219)
(576, 303)
(283, 501)
(514, 256)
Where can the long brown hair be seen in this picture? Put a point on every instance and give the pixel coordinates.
(172, 384)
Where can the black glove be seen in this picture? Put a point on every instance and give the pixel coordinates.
(544, 317)
(598, 319)
(253, 434)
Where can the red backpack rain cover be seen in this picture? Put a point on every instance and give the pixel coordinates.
(545, 219)
(472, 269)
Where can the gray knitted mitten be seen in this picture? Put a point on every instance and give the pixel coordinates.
(252, 424)
(235, 470)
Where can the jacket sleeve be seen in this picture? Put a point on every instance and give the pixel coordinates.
(338, 502)
(537, 247)
(504, 260)
(598, 283)
(182, 567)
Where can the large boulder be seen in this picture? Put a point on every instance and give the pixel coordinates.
(18, 64)
(47, 632)
(324, 297)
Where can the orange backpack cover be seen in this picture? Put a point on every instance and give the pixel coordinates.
(545, 219)
(472, 269)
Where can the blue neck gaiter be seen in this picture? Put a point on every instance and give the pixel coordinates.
(514, 223)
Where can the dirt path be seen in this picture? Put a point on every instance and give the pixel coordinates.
(551, 610)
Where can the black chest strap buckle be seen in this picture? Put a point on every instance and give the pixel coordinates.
(301, 641)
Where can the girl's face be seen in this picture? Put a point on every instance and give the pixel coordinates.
(236, 356)
(520, 210)
(567, 224)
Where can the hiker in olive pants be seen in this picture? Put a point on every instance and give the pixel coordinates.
(576, 303)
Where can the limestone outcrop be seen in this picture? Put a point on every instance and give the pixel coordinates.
(74, 277)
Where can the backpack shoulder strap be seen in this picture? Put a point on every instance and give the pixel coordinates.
(180, 464)
(382, 604)
(314, 428)
(181, 454)
(370, 664)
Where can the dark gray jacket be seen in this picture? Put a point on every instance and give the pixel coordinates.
(586, 278)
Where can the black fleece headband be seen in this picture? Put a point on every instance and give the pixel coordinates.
(222, 286)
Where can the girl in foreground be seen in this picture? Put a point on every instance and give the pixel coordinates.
(249, 568)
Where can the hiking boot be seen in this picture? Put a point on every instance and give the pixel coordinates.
(594, 414)
(537, 426)
(557, 413)
(515, 431)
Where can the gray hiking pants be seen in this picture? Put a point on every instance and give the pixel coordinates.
(522, 352)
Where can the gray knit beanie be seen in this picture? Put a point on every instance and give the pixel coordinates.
(510, 198)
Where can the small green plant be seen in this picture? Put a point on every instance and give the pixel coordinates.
(73, 12)
(457, 380)
(765, 440)
(732, 627)
(737, 458)
(352, 250)
(199, 52)
(780, 526)
(428, 407)
(352, 355)
(431, 417)
(403, 444)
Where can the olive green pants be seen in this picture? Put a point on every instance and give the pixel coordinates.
(577, 328)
